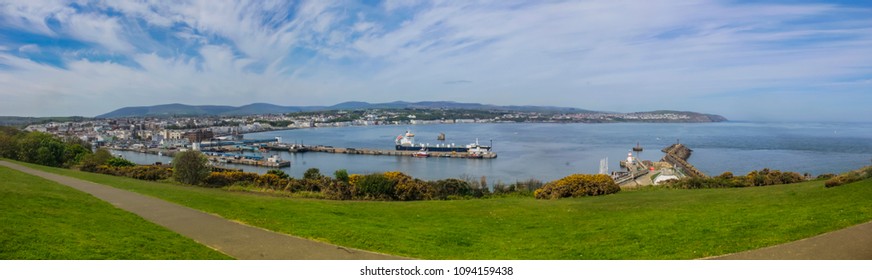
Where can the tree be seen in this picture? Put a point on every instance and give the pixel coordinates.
(190, 167)
(91, 161)
(41, 148)
(280, 173)
(119, 162)
(312, 174)
(341, 175)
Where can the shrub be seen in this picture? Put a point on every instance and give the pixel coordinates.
(764, 177)
(279, 173)
(90, 162)
(849, 177)
(354, 178)
(578, 185)
(271, 181)
(341, 175)
(337, 190)
(312, 173)
(452, 187)
(223, 179)
(190, 167)
(217, 180)
(149, 172)
(119, 162)
(407, 188)
(375, 186)
(141, 172)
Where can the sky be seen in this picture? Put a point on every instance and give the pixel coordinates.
(745, 60)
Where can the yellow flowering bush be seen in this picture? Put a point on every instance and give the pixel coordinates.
(576, 185)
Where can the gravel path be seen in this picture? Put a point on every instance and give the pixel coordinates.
(852, 243)
(234, 239)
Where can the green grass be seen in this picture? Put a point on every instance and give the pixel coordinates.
(642, 224)
(44, 220)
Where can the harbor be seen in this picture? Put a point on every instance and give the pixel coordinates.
(264, 152)
(405, 146)
(296, 148)
(550, 152)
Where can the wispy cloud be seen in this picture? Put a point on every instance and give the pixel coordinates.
(715, 56)
(457, 82)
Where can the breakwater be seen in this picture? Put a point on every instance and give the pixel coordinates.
(375, 152)
(677, 155)
(219, 157)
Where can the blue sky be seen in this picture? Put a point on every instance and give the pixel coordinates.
(746, 60)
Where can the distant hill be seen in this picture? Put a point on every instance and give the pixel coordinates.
(25, 121)
(266, 108)
(697, 117)
(176, 109)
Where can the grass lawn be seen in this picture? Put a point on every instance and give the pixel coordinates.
(41, 219)
(642, 224)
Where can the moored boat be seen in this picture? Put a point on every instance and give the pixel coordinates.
(406, 142)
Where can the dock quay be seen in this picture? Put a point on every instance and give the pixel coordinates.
(635, 168)
(273, 161)
(223, 157)
(677, 155)
(377, 152)
(297, 148)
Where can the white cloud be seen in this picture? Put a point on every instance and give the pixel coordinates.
(592, 54)
(29, 48)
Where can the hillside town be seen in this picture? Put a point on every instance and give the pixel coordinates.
(181, 131)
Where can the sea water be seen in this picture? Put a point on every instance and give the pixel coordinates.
(547, 151)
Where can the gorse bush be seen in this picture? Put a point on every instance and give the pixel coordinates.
(375, 186)
(141, 172)
(578, 185)
(764, 177)
(222, 179)
(119, 162)
(90, 162)
(279, 173)
(849, 177)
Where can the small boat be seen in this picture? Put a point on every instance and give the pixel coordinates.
(421, 153)
(637, 148)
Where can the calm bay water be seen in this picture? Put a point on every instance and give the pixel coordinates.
(551, 151)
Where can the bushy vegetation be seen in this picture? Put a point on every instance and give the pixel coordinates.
(119, 162)
(756, 178)
(141, 172)
(90, 162)
(387, 186)
(576, 185)
(46, 149)
(655, 224)
(849, 177)
(41, 148)
(190, 167)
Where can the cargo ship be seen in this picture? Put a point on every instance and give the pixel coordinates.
(406, 142)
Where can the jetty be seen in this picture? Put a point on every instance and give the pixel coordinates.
(635, 168)
(273, 161)
(677, 155)
(221, 152)
(424, 152)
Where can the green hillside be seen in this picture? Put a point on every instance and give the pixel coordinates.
(44, 220)
(644, 224)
